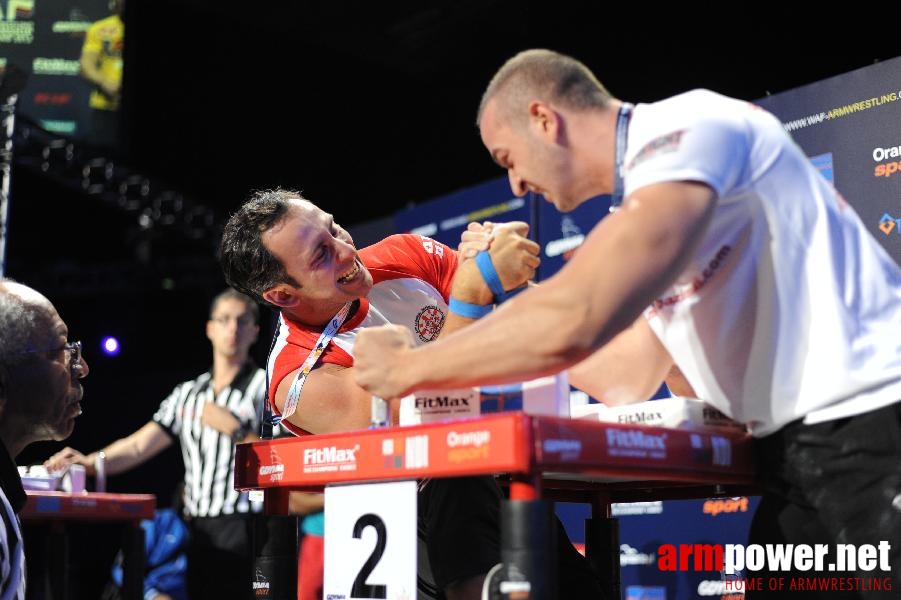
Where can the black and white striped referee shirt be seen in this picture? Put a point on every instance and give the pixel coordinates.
(207, 453)
(12, 553)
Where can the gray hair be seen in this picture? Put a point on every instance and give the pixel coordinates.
(20, 321)
(540, 74)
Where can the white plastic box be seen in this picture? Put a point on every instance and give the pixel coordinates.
(542, 396)
(676, 412)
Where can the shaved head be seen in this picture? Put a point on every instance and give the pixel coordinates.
(542, 75)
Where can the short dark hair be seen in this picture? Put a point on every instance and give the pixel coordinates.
(246, 263)
(233, 294)
(546, 75)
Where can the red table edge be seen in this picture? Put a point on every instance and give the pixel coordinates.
(514, 443)
(46, 505)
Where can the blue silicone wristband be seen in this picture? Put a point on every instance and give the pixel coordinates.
(507, 295)
(469, 310)
(489, 273)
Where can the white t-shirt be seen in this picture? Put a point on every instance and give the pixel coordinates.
(789, 308)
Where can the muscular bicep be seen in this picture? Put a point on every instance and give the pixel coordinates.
(630, 368)
(330, 401)
(644, 247)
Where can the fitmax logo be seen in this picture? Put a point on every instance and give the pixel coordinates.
(330, 455)
(644, 417)
(441, 402)
(635, 439)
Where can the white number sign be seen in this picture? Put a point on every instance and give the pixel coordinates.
(370, 541)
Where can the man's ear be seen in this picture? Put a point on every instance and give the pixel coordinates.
(545, 119)
(280, 296)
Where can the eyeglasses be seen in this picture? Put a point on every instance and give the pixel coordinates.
(74, 350)
(242, 321)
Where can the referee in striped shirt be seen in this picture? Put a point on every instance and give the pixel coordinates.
(40, 396)
(207, 416)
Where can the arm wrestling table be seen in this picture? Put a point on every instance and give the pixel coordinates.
(540, 457)
(58, 508)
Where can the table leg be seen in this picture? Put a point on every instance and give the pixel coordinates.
(528, 545)
(133, 561)
(58, 561)
(602, 551)
(275, 543)
(276, 501)
(602, 547)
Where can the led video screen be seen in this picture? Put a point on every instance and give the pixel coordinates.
(71, 52)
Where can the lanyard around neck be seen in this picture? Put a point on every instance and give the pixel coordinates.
(297, 385)
(622, 131)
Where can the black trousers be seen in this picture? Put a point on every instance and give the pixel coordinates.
(833, 483)
(220, 561)
(459, 537)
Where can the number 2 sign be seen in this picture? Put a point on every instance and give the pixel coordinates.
(370, 541)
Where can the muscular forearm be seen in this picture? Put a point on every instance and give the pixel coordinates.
(630, 368)
(556, 324)
(472, 360)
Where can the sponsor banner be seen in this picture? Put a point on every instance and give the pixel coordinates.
(446, 217)
(848, 126)
(561, 234)
(492, 444)
(513, 443)
(644, 451)
(44, 39)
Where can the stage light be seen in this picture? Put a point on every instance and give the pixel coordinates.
(166, 207)
(96, 175)
(110, 346)
(57, 154)
(133, 192)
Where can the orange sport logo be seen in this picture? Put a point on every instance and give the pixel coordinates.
(725, 505)
(892, 155)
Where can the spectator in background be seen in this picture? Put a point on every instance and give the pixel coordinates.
(207, 416)
(40, 397)
(102, 64)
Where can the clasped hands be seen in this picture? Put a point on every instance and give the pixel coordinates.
(379, 352)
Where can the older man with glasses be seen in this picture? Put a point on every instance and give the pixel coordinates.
(40, 397)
